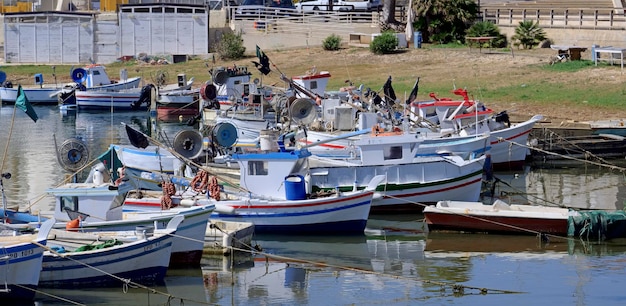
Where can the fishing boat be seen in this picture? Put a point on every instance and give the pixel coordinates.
(504, 218)
(498, 217)
(178, 105)
(509, 142)
(97, 205)
(108, 258)
(91, 77)
(273, 195)
(20, 265)
(415, 176)
(127, 99)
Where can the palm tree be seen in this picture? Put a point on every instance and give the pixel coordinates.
(528, 34)
(387, 19)
(444, 20)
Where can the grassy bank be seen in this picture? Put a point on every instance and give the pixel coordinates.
(522, 82)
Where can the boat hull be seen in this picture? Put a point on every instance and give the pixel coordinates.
(409, 187)
(501, 225)
(107, 100)
(189, 241)
(21, 270)
(144, 261)
(499, 218)
(344, 214)
(42, 95)
(49, 95)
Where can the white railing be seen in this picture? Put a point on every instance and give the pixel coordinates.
(579, 18)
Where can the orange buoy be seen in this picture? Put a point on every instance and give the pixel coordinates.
(72, 225)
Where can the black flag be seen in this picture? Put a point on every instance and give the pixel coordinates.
(264, 62)
(137, 139)
(413, 93)
(390, 94)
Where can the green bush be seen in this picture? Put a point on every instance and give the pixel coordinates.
(231, 46)
(486, 28)
(384, 43)
(528, 34)
(332, 43)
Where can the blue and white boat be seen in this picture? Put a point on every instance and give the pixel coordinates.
(20, 262)
(273, 195)
(111, 258)
(92, 77)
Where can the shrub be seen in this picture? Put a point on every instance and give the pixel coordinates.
(332, 43)
(528, 34)
(485, 28)
(231, 46)
(384, 44)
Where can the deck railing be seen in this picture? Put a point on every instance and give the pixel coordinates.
(578, 18)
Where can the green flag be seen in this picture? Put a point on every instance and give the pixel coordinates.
(22, 102)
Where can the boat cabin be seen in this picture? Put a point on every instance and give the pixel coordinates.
(92, 202)
(388, 148)
(271, 174)
(97, 76)
(314, 81)
(233, 84)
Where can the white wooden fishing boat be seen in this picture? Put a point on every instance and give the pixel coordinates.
(462, 117)
(498, 217)
(274, 197)
(94, 77)
(125, 99)
(20, 262)
(108, 258)
(412, 179)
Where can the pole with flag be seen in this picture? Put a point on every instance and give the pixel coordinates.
(264, 62)
(22, 103)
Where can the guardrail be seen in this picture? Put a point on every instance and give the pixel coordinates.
(579, 18)
(242, 13)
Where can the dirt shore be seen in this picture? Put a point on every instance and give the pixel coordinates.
(471, 69)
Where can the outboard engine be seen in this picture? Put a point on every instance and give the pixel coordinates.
(145, 97)
(7, 84)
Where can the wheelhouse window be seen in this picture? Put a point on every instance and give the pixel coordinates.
(69, 203)
(257, 167)
(392, 152)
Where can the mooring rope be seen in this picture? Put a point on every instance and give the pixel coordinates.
(610, 166)
(456, 287)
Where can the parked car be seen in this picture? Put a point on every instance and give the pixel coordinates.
(338, 5)
(257, 7)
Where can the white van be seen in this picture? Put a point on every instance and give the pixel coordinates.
(338, 5)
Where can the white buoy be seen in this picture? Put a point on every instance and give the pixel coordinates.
(97, 177)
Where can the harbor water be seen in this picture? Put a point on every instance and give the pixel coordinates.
(396, 262)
